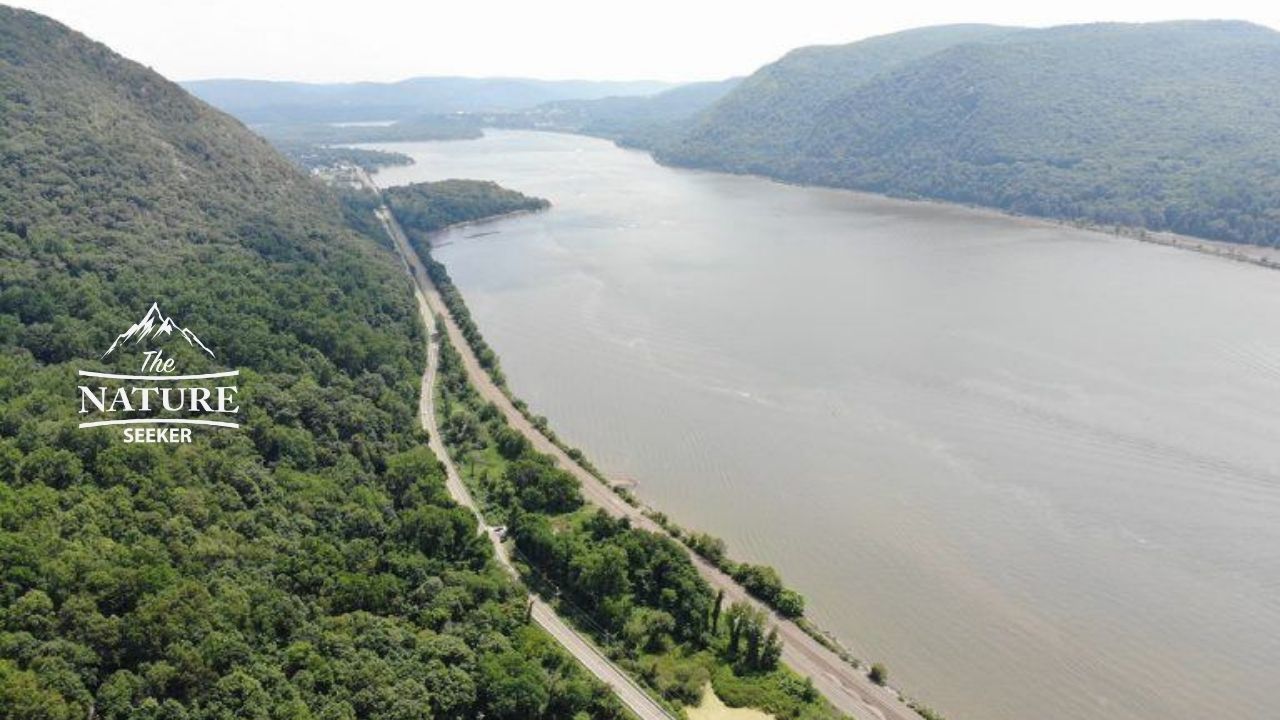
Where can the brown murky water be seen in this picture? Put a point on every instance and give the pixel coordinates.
(1036, 471)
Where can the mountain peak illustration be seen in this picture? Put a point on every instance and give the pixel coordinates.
(155, 324)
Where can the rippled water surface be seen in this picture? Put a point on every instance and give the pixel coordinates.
(1034, 470)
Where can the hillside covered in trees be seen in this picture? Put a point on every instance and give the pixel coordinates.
(426, 207)
(1166, 126)
(307, 565)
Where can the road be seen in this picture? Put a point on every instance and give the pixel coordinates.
(846, 687)
(580, 647)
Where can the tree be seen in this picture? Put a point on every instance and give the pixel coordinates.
(771, 650)
(708, 546)
(33, 613)
(22, 697)
(750, 646)
(765, 583)
(513, 688)
(649, 629)
(511, 443)
(598, 574)
(440, 532)
(542, 487)
(239, 696)
(790, 603)
(460, 428)
(406, 469)
(735, 620)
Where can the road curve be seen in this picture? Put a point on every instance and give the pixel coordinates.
(580, 647)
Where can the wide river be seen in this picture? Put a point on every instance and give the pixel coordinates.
(1033, 470)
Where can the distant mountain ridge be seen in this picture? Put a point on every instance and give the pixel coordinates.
(1165, 126)
(636, 120)
(266, 101)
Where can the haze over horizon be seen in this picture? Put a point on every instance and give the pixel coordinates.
(560, 39)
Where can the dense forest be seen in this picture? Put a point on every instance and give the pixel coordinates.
(427, 207)
(307, 565)
(1166, 126)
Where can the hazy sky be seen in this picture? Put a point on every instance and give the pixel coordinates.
(659, 39)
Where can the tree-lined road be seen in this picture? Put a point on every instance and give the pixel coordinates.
(846, 687)
(580, 647)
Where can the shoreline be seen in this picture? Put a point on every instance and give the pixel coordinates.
(1267, 257)
(595, 662)
(1259, 255)
(434, 234)
(807, 652)
(841, 678)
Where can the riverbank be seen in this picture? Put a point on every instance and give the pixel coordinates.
(1268, 257)
(777, 689)
(1260, 255)
(760, 582)
(848, 688)
(841, 682)
(432, 235)
(919, 467)
(595, 662)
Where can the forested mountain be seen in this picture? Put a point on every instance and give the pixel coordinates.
(307, 565)
(263, 101)
(770, 113)
(1167, 126)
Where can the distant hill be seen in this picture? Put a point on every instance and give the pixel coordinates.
(1167, 126)
(415, 129)
(631, 120)
(263, 101)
